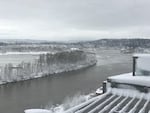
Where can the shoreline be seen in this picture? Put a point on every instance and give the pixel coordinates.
(40, 75)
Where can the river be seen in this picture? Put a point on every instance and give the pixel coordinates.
(53, 89)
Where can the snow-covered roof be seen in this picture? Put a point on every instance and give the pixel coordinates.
(130, 79)
(141, 55)
(37, 111)
(115, 101)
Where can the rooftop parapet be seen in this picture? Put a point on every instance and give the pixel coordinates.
(141, 65)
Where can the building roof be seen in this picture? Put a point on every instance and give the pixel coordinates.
(115, 102)
(129, 79)
(141, 55)
(119, 100)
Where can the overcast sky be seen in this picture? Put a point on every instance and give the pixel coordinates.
(74, 19)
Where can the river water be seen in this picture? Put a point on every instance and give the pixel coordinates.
(53, 89)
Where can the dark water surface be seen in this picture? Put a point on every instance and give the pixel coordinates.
(16, 97)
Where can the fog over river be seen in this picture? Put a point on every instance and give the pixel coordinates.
(52, 90)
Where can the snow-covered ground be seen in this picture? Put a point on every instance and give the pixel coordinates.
(23, 66)
(25, 53)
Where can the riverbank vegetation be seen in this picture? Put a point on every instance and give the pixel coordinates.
(47, 64)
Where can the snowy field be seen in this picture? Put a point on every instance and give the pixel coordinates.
(18, 57)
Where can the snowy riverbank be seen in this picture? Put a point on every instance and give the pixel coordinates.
(46, 64)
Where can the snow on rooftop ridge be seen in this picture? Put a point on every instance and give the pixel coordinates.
(37, 111)
(129, 79)
(129, 93)
(141, 55)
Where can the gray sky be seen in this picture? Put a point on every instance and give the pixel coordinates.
(74, 19)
